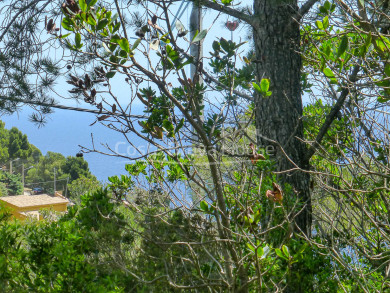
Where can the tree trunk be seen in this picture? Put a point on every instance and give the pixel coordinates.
(279, 117)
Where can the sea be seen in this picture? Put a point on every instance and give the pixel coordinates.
(67, 132)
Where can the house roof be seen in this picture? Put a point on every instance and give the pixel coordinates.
(24, 201)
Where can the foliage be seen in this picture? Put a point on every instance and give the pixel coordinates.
(3, 189)
(12, 182)
(63, 255)
(42, 174)
(14, 144)
(81, 186)
(232, 219)
(76, 167)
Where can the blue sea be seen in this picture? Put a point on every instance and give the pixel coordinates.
(66, 130)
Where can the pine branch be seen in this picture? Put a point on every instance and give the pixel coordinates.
(225, 9)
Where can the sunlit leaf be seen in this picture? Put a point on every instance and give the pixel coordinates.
(200, 36)
(264, 84)
(124, 44)
(83, 5)
(204, 206)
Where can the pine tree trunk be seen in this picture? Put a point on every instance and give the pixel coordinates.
(279, 117)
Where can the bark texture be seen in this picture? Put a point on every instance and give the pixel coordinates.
(279, 117)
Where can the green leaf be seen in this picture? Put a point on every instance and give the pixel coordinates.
(115, 39)
(325, 22)
(63, 36)
(319, 25)
(179, 125)
(102, 24)
(77, 39)
(91, 2)
(323, 10)
(204, 206)
(124, 44)
(343, 46)
(285, 251)
(91, 20)
(264, 85)
(106, 48)
(200, 36)
(327, 5)
(83, 5)
(251, 247)
(216, 46)
(136, 43)
(260, 252)
(266, 251)
(67, 24)
(280, 254)
(110, 74)
(329, 74)
(168, 126)
(383, 99)
(226, 2)
(256, 87)
(224, 44)
(387, 69)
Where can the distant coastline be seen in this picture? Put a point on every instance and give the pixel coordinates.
(66, 130)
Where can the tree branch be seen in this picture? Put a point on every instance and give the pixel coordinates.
(21, 11)
(225, 9)
(332, 115)
(306, 7)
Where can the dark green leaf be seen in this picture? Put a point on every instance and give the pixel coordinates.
(110, 74)
(77, 39)
(102, 24)
(91, 2)
(179, 125)
(224, 44)
(387, 69)
(343, 46)
(216, 46)
(327, 5)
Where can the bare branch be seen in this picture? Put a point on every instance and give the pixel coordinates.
(306, 7)
(332, 115)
